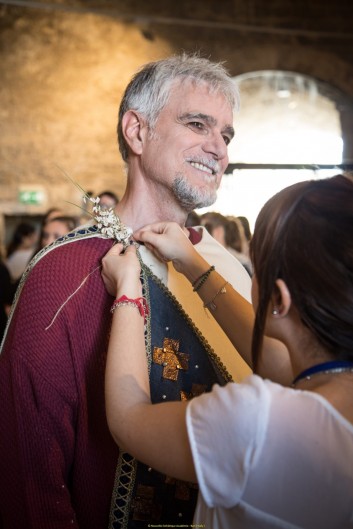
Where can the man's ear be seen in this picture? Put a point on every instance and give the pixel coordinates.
(281, 299)
(134, 129)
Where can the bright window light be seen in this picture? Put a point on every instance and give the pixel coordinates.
(283, 119)
(244, 192)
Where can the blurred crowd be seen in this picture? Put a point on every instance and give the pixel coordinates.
(230, 231)
(27, 239)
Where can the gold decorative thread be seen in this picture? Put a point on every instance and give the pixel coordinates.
(125, 481)
(146, 295)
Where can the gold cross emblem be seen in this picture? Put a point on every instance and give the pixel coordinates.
(169, 357)
(196, 390)
(144, 506)
(182, 488)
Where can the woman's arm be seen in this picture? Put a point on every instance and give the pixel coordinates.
(233, 313)
(154, 434)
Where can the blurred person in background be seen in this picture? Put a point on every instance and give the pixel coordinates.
(20, 249)
(6, 296)
(237, 243)
(193, 219)
(246, 227)
(56, 227)
(51, 214)
(108, 199)
(227, 233)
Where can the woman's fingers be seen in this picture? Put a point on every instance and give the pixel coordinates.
(119, 264)
(116, 249)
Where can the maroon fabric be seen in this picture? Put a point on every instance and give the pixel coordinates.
(194, 236)
(57, 458)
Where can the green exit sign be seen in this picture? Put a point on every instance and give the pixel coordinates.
(30, 197)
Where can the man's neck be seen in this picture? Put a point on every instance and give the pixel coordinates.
(138, 209)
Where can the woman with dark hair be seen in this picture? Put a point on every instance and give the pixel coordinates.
(53, 228)
(20, 249)
(108, 199)
(227, 231)
(6, 296)
(56, 227)
(246, 227)
(236, 242)
(277, 449)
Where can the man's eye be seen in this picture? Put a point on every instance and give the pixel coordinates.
(197, 125)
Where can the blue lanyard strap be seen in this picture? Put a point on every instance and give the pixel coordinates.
(326, 367)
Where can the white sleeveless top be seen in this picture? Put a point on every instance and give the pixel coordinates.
(270, 457)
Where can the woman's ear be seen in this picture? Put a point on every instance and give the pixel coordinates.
(281, 299)
(134, 128)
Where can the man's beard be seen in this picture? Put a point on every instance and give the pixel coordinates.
(191, 197)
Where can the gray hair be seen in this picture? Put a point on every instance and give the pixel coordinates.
(148, 91)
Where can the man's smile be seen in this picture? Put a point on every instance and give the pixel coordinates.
(209, 166)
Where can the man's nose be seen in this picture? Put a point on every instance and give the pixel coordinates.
(215, 144)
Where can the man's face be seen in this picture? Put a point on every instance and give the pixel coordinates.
(187, 149)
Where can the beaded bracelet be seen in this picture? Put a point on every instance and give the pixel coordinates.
(211, 304)
(139, 303)
(197, 284)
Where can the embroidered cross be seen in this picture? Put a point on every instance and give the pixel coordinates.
(182, 488)
(196, 390)
(169, 357)
(143, 505)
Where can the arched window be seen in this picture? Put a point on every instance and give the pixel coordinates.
(288, 129)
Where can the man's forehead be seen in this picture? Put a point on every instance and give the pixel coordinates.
(193, 99)
(195, 87)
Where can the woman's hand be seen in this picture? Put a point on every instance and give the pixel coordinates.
(169, 242)
(121, 271)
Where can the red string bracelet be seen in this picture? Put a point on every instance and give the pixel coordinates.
(139, 303)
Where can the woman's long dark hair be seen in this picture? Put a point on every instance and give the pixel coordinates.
(24, 229)
(304, 235)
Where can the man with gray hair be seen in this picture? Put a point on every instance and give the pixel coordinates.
(59, 466)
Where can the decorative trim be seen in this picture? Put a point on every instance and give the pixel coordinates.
(122, 491)
(125, 474)
(217, 361)
(78, 234)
